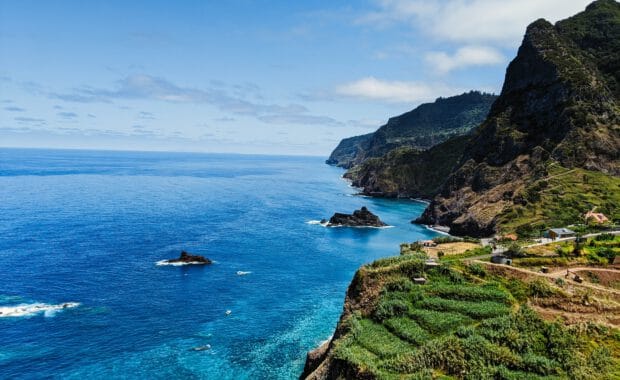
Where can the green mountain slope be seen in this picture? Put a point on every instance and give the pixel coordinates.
(427, 125)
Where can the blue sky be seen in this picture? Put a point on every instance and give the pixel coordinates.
(289, 77)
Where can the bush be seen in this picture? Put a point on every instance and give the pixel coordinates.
(446, 239)
(514, 250)
(605, 237)
(477, 270)
(399, 284)
(539, 288)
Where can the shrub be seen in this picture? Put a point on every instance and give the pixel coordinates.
(514, 250)
(605, 237)
(446, 239)
(477, 270)
(540, 288)
(399, 284)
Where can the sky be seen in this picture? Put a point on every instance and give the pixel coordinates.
(266, 77)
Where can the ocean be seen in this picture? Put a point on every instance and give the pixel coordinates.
(88, 228)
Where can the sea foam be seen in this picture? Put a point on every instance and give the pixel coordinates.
(177, 264)
(29, 310)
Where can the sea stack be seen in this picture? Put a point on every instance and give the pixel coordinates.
(359, 218)
(188, 258)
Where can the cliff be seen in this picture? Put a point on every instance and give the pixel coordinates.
(559, 107)
(427, 125)
(408, 172)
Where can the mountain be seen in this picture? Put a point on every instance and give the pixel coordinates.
(425, 126)
(558, 115)
(408, 172)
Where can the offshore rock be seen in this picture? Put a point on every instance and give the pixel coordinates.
(359, 218)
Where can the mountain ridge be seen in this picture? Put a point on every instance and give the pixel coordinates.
(421, 128)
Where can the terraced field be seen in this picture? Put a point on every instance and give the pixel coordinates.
(466, 323)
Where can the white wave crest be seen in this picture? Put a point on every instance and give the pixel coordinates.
(178, 264)
(317, 222)
(29, 310)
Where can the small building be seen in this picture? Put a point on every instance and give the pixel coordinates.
(559, 233)
(428, 243)
(431, 263)
(501, 259)
(596, 217)
(419, 280)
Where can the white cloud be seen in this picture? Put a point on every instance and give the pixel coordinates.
(393, 91)
(464, 57)
(472, 21)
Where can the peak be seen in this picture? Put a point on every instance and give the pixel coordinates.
(540, 24)
(603, 4)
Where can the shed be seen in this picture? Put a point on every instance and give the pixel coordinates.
(419, 280)
(429, 243)
(431, 263)
(501, 259)
(559, 233)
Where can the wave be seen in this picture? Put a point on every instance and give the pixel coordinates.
(242, 273)
(29, 310)
(178, 264)
(315, 222)
(375, 227)
(318, 222)
(438, 230)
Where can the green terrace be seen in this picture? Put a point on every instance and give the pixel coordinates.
(466, 323)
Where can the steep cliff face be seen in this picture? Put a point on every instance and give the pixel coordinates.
(408, 172)
(426, 126)
(559, 104)
(348, 149)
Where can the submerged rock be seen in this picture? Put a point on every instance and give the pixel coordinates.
(187, 258)
(359, 218)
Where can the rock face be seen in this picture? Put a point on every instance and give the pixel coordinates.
(425, 126)
(187, 258)
(359, 218)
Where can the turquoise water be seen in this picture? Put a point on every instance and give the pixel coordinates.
(88, 227)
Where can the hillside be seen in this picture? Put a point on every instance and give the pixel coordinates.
(468, 321)
(427, 125)
(559, 108)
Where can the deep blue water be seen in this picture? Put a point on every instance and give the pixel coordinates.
(88, 227)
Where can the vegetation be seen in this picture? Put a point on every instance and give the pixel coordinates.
(408, 171)
(599, 250)
(427, 125)
(467, 323)
(566, 197)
